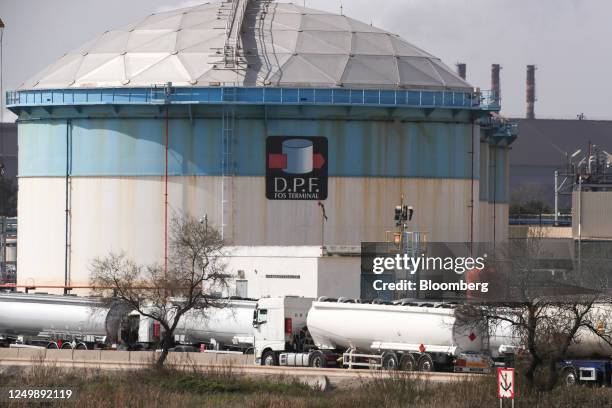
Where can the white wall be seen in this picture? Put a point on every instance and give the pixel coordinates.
(126, 214)
(340, 276)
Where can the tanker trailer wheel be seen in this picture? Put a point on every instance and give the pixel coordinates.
(426, 363)
(269, 358)
(67, 346)
(52, 346)
(568, 376)
(408, 363)
(389, 361)
(317, 360)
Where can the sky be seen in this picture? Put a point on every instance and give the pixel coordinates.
(570, 41)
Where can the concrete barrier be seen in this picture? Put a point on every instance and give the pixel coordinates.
(205, 358)
(115, 356)
(9, 353)
(58, 355)
(86, 355)
(32, 354)
(143, 357)
(229, 359)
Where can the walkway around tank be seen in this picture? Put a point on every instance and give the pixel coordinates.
(237, 363)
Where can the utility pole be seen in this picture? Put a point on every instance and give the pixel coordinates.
(1, 91)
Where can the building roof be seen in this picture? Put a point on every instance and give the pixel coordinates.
(545, 142)
(284, 45)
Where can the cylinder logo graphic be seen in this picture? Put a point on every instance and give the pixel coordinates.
(296, 168)
(299, 153)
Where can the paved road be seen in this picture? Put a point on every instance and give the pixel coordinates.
(238, 364)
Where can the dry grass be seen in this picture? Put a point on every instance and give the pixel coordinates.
(222, 388)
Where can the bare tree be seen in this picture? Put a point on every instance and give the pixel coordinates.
(547, 315)
(193, 276)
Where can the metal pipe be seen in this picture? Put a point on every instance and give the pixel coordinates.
(494, 196)
(531, 91)
(68, 288)
(556, 198)
(580, 208)
(67, 209)
(472, 191)
(166, 193)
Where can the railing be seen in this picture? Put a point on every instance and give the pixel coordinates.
(251, 96)
(563, 220)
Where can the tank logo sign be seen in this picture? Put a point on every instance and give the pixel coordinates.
(296, 168)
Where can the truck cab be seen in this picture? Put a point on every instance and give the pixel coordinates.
(279, 325)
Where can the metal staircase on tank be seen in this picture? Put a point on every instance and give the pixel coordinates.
(234, 12)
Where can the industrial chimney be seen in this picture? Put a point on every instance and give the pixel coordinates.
(462, 70)
(531, 91)
(495, 83)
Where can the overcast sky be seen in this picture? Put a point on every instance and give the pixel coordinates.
(569, 40)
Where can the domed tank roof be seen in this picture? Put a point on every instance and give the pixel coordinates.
(281, 45)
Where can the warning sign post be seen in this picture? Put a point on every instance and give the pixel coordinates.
(505, 385)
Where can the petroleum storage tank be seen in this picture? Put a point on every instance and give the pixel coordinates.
(175, 103)
(374, 327)
(31, 315)
(231, 325)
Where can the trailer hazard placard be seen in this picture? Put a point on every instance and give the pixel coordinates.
(505, 383)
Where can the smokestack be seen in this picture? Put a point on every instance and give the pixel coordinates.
(495, 83)
(531, 91)
(462, 70)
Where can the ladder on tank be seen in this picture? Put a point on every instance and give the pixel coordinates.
(228, 123)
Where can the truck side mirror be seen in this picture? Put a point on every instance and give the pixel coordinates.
(255, 323)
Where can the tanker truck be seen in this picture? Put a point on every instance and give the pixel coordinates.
(222, 329)
(39, 320)
(405, 335)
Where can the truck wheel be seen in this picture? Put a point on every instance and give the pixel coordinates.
(269, 358)
(81, 346)
(52, 346)
(389, 361)
(408, 363)
(426, 364)
(569, 377)
(317, 360)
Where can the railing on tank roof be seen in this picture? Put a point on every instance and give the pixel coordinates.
(477, 100)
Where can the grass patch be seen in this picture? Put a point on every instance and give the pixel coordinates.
(222, 388)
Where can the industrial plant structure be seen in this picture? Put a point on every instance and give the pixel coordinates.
(250, 114)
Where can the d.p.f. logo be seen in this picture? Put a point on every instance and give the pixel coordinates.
(296, 168)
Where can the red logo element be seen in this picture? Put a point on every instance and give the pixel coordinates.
(422, 348)
(318, 161)
(472, 337)
(279, 161)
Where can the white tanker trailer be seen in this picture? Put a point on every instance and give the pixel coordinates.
(227, 328)
(421, 337)
(54, 321)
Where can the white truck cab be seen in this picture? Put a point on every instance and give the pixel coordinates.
(279, 325)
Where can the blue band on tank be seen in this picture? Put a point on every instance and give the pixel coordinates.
(136, 147)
